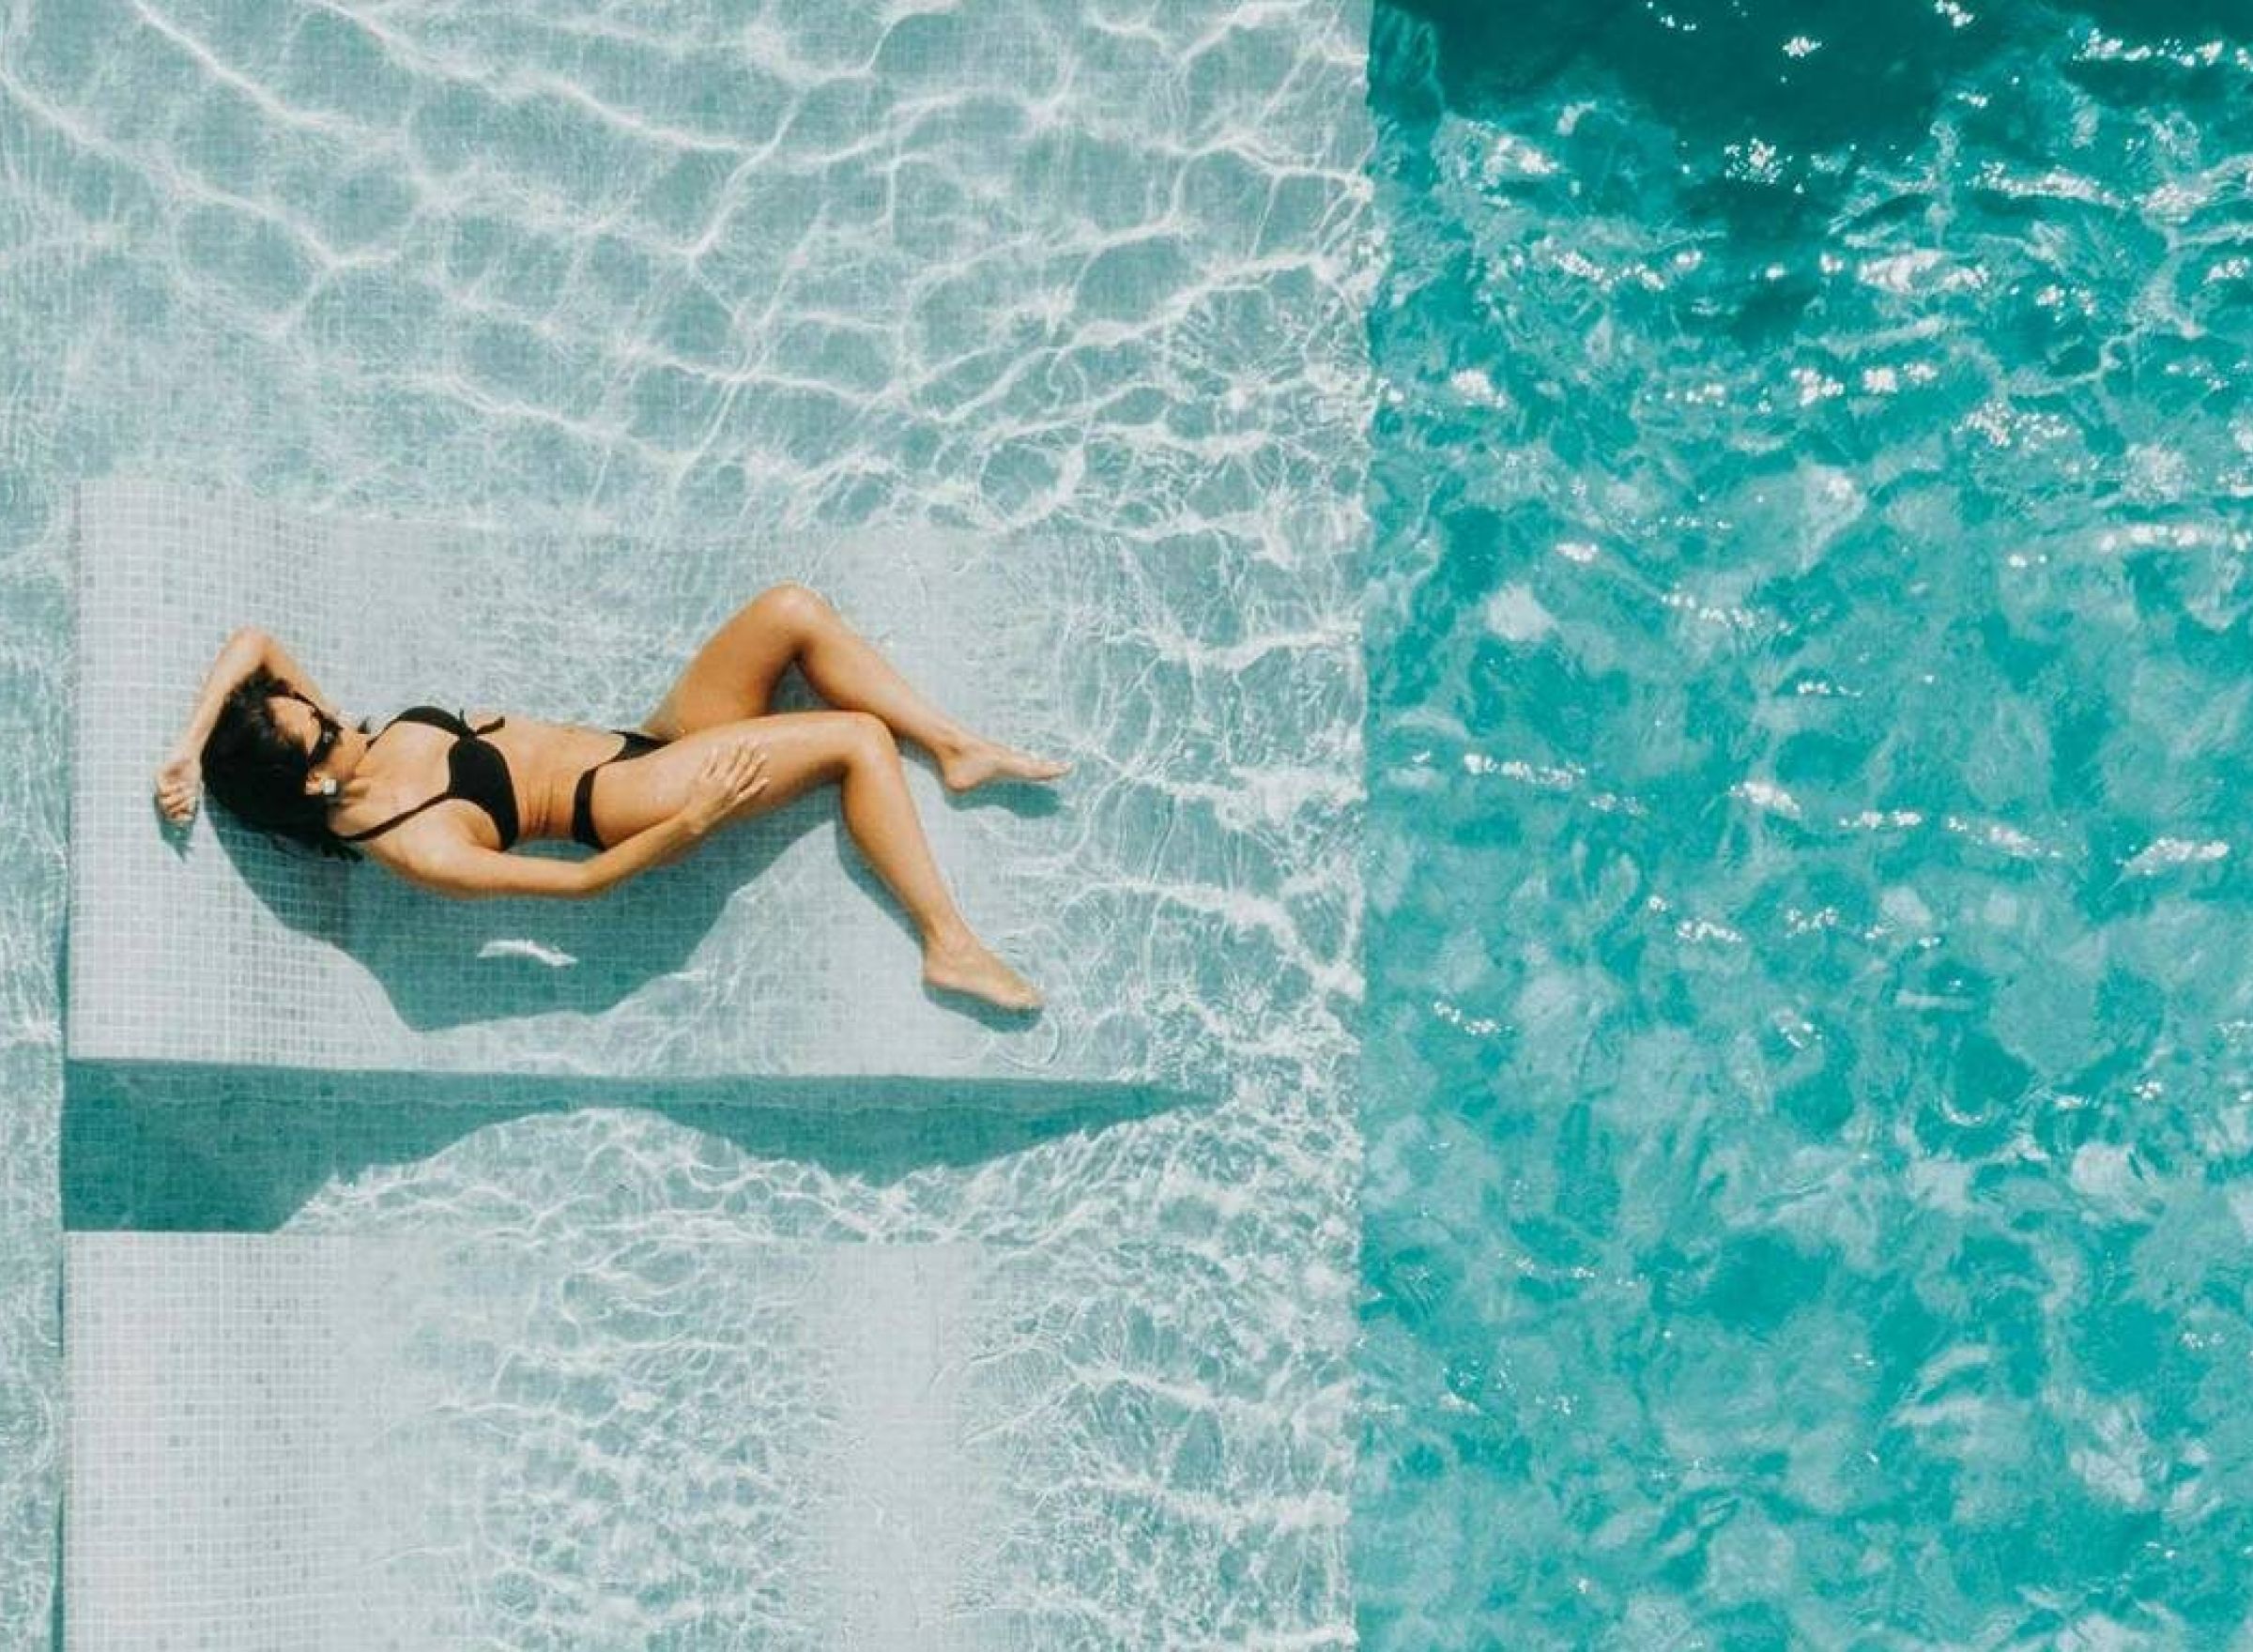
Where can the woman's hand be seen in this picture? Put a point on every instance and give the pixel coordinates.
(179, 781)
(733, 774)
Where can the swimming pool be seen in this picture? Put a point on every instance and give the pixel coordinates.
(1797, 546)
(694, 279)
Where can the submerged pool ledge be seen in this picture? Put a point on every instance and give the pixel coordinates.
(337, 1439)
(772, 953)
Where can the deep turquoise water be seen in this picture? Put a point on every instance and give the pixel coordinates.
(1807, 1090)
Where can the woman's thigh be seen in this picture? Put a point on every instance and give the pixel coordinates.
(802, 749)
(733, 675)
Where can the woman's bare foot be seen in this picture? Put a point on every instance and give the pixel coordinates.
(976, 761)
(966, 966)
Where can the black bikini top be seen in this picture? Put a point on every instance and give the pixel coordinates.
(475, 771)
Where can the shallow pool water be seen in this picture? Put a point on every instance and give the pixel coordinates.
(712, 276)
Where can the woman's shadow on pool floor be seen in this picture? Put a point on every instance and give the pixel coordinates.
(443, 962)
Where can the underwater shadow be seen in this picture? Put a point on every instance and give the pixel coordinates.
(195, 1147)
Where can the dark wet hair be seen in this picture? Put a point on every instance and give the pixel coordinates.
(257, 771)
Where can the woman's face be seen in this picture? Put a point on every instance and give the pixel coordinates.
(303, 726)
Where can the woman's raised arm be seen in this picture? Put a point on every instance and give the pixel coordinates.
(239, 656)
(180, 777)
(276, 658)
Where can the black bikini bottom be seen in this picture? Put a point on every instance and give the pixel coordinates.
(582, 801)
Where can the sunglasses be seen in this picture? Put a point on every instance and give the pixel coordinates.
(325, 741)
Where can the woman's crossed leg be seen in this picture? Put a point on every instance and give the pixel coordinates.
(734, 676)
(806, 749)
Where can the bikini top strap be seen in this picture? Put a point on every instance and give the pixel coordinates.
(402, 814)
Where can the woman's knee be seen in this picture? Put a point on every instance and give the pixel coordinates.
(841, 741)
(869, 737)
(794, 607)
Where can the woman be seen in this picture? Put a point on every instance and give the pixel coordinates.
(441, 800)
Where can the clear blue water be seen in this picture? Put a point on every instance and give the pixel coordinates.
(1808, 1101)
